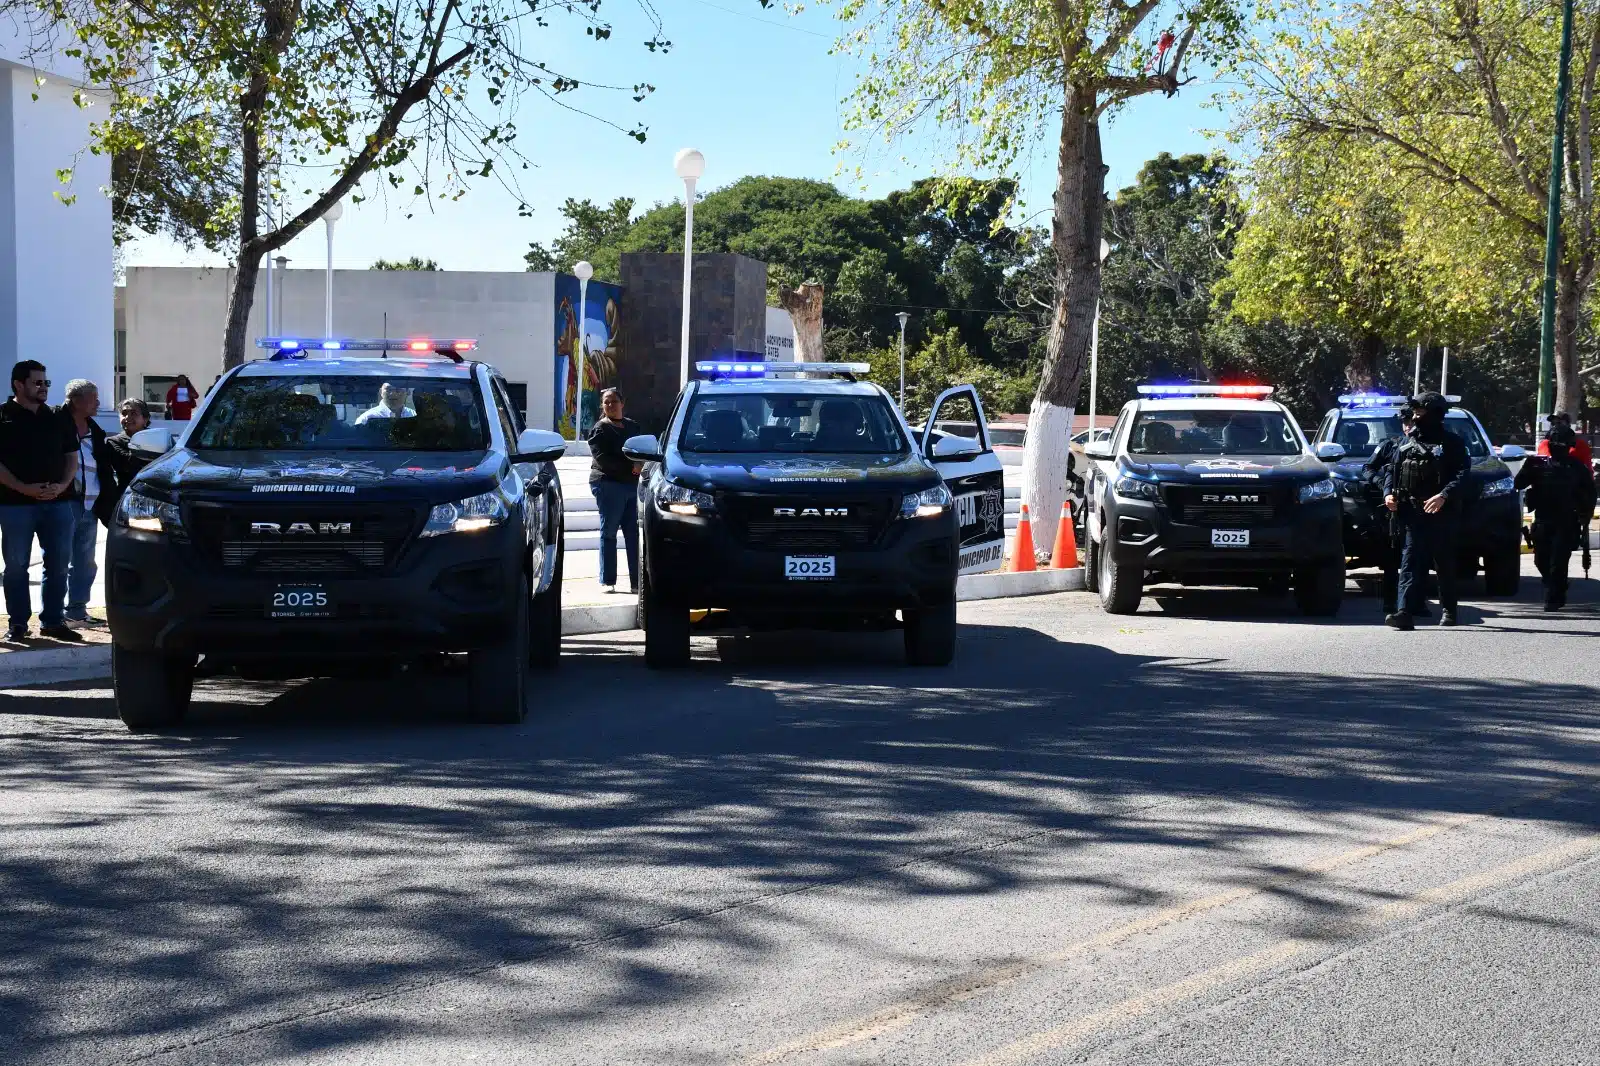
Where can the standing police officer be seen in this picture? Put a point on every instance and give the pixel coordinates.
(1377, 469)
(1423, 486)
(1561, 497)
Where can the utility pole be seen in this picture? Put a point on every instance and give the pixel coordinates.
(1552, 237)
(903, 316)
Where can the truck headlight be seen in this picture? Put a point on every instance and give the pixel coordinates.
(680, 499)
(1503, 487)
(1319, 490)
(926, 504)
(146, 513)
(468, 515)
(1133, 488)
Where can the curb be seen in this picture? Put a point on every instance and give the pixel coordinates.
(51, 666)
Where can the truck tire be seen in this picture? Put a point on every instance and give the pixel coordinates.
(1318, 590)
(152, 689)
(930, 634)
(1091, 565)
(497, 676)
(666, 629)
(544, 619)
(1502, 573)
(1120, 587)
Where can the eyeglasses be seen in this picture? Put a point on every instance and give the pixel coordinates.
(45, 384)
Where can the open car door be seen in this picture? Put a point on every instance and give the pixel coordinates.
(973, 474)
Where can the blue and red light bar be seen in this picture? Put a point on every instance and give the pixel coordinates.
(745, 370)
(1379, 399)
(1233, 392)
(298, 347)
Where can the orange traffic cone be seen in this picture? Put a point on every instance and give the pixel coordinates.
(1064, 556)
(1022, 547)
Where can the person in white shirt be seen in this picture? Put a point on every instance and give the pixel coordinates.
(94, 481)
(391, 404)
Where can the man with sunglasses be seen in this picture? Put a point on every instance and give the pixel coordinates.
(38, 468)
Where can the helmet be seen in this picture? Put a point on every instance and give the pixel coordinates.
(1431, 403)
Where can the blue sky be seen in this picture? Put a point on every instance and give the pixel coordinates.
(756, 91)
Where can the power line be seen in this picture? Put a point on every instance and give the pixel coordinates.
(764, 22)
(963, 310)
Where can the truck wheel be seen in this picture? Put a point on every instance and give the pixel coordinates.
(152, 689)
(1274, 585)
(1120, 587)
(1091, 565)
(666, 630)
(931, 634)
(497, 676)
(544, 619)
(1502, 573)
(1318, 590)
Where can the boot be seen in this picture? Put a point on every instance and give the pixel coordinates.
(1400, 620)
(1448, 618)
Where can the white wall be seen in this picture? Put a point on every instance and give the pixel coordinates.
(175, 318)
(55, 255)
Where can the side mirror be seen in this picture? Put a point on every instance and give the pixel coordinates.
(152, 442)
(1512, 451)
(956, 447)
(642, 449)
(539, 446)
(1328, 451)
(1097, 449)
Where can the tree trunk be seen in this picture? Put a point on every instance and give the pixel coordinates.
(1569, 304)
(1366, 359)
(1075, 233)
(235, 336)
(805, 309)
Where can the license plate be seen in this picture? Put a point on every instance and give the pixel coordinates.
(299, 601)
(808, 567)
(1230, 538)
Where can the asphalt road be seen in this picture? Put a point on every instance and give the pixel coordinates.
(1213, 833)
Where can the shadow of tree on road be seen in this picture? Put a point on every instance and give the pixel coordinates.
(325, 843)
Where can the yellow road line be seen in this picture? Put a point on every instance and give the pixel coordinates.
(899, 1015)
(1193, 987)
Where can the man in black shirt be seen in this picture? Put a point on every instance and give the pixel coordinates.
(1560, 493)
(1424, 486)
(38, 466)
(614, 479)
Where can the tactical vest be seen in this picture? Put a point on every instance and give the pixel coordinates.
(1556, 490)
(1419, 470)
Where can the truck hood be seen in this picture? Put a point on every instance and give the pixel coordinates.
(1190, 468)
(791, 472)
(436, 477)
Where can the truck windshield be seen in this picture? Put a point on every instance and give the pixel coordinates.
(783, 422)
(1360, 435)
(344, 413)
(1213, 433)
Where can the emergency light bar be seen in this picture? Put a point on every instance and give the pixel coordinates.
(1235, 391)
(299, 347)
(730, 369)
(1378, 399)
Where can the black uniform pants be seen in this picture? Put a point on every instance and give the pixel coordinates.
(1553, 545)
(1430, 540)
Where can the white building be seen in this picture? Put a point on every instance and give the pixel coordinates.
(55, 240)
(174, 319)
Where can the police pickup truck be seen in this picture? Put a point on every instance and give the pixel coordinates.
(325, 509)
(791, 495)
(1491, 516)
(1209, 485)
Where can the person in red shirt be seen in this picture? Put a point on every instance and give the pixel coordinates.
(1580, 451)
(181, 399)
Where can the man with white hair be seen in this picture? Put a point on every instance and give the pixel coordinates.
(95, 490)
(391, 404)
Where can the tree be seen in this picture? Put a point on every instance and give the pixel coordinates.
(1448, 106)
(357, 88)
(592, 234)
(1000, 75)
(414, 263)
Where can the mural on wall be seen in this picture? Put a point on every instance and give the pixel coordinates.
(598, 335)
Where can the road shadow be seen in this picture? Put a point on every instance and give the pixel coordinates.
(332, 841)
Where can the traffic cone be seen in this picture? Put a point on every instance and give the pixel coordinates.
(1064, 556)
(1022, 547)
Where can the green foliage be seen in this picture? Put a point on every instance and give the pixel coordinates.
(414, 263)
(943, 361)
(592, 233)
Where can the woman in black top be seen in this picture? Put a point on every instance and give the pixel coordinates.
(614, 479)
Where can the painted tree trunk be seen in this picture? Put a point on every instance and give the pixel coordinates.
(1075, 233)
(1569, 303)
(805, 309)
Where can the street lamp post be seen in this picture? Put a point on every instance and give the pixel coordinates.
(1094, 353)
(583, 272)
(283, 283)
(329, 217)
(1552, 235)
(690, 165)
(903, 316)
